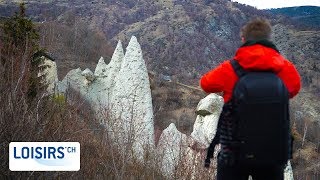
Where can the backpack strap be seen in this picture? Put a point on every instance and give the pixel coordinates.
(237, 68)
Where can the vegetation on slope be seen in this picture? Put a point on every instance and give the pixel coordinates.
(304, 16)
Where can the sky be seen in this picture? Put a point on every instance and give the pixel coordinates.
(267, 4)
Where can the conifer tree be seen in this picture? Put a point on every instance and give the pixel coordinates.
(20, 62)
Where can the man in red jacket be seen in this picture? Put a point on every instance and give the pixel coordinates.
(257, 53)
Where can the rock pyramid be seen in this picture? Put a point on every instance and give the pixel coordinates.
(120, 89)
(131, 101)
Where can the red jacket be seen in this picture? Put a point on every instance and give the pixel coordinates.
(252, 57)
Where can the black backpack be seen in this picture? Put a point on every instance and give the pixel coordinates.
(260, 104)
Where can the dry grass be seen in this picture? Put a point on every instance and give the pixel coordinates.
(59, 121)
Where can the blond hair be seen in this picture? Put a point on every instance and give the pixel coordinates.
(256, 29)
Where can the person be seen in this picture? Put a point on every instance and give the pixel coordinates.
(257, 53)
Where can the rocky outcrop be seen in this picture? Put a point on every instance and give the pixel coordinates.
(82, 82)
(108, 72)
(176, 158)
(176, 149)
(131, 102)
(208, 112)
(171, 149)
(51, 74)
(288, 174)
(120, 95)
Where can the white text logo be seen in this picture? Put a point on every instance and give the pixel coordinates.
(44, 156)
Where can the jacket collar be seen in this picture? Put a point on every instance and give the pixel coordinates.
(263, 42)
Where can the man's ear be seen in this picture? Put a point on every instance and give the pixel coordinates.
(243, 40)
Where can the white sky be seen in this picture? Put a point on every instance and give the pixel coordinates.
(267, 4)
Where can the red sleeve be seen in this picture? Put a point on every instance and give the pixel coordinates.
(291, 78)
(214, 80)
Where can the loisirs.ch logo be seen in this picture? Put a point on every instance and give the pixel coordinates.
(44, 156)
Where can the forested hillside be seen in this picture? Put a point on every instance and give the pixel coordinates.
(304, 16)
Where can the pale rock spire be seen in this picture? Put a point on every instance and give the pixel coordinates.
(132, 103)
(105, 79)
(288, 173)
(171, 147)
(107, 73)
(100, 68)
(117, 57)
(115, 64)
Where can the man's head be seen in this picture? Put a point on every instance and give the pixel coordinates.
(256, 29)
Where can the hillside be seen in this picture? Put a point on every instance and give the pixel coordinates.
(73, 44)
(303, 15)
(191, 35)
